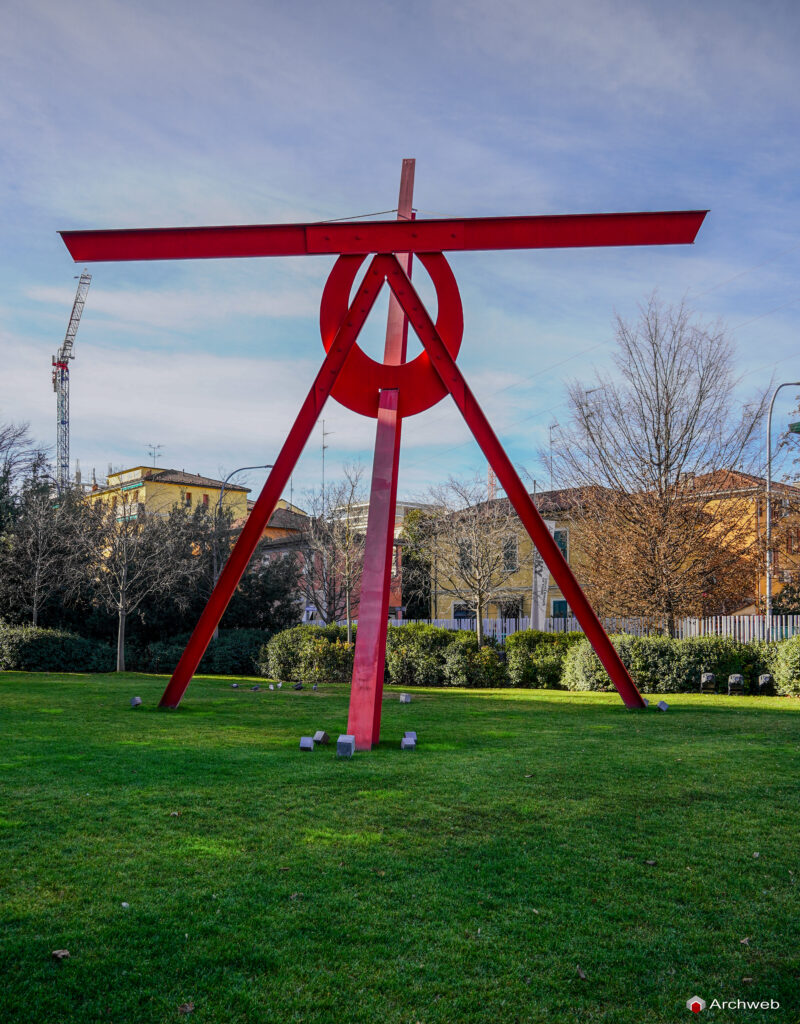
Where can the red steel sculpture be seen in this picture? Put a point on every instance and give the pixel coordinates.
(390, 390)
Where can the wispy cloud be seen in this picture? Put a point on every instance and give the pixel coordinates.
(149, 114)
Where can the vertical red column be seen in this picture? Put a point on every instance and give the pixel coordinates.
(366, 692)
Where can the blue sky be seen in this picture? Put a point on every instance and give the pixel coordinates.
(145, 114)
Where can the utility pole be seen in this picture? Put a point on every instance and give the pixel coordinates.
(553, 426)
(325, 433)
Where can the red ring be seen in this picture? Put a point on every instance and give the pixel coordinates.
(362, 378)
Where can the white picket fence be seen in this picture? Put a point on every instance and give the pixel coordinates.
(739, 627)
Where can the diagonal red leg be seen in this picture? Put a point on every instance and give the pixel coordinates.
(453, 380)
(276, 481)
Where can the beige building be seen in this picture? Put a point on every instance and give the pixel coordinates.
(521, 586)
(159, 490)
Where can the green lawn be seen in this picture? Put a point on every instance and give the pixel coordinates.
(532, 833)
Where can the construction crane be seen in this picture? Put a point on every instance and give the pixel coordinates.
(61, 383)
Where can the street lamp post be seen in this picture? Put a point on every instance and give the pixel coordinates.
(552, 427)
(214, 548)
(787, 384)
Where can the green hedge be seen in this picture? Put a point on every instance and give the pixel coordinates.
(235, 652)
(536, 659)
(466, 664)
(416, 655)
(302, 654)
(421, 655)
(659, 664)
(787, 666)
(31, 649)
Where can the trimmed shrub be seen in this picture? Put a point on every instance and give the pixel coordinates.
(659, 664)
(457, 669)
(466, 664)
(582, 668)
(235, 652)
(488, 669)
(787, 666)
(323, 660)
(32, 649)
(307, 653)
(279, 658)
(415, 654)
(536, 659)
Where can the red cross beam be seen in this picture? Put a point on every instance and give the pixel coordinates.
(469, 234)
(388, 390)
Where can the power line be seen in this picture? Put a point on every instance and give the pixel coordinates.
(747, 270)
(768, 312)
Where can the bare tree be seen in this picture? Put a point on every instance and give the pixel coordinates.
(333, 548)
(470, 544)
(39, 553)
(665, 527)
(20, 459)
(131, 556)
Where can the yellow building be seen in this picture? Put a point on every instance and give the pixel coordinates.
(785, 502)
(554, 506)
(158, 490)
(717, 491)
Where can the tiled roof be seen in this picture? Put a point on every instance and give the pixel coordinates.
(285, 519)
(178, 476)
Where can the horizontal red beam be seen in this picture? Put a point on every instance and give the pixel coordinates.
(465, 234)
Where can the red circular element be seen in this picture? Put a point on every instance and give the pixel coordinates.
(362, 378)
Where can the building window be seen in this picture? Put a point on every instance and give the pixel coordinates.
(793, 541)
(188, 497)
(460, 611)
(561, 537)
(511, 608)
(510, 554)
(464, 557)
(560, 609)
(205, 500)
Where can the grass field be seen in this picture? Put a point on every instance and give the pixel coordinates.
(533, 838)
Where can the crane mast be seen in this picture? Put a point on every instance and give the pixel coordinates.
(61, 383)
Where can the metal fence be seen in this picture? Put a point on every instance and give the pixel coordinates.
(739, 627)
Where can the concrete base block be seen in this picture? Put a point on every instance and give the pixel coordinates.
(406, 743)
(345, 746)
(297, 686)
(646, 702)
(662, 705)
(321, 737)
(405, 698)
(409, 734)
(735, 683)
(306, 743)
(135, 702)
